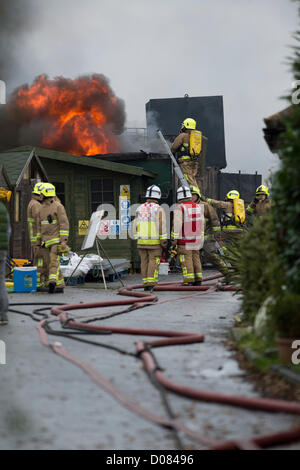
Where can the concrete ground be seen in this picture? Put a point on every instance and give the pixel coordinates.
(48, 403)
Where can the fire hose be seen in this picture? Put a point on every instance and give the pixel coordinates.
(145, 353)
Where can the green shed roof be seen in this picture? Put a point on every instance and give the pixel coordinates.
(5, 175)
(77, 160)
(14, 164)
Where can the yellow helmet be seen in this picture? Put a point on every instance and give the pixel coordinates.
(263, 190)
(48, 190)
(189, 123)
(38, 188)
(233, 194)
(195, 190)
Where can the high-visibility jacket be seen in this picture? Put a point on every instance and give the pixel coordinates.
(228, 224)
(188, 224)
(33, 210)
(53, 224)
(150, 224)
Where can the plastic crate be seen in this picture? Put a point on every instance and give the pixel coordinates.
(74, 281)
(113, 277)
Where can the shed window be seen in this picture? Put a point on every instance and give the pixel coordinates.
(60, 192)
(102, 192)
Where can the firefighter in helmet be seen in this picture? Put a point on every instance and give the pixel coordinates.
(260, 203)
(187, 149)
(53, 228)
(150, 231)
(188, 234)
(33, 210)
(231, 227)
(212, 232)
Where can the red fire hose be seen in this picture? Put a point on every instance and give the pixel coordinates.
(141, 299)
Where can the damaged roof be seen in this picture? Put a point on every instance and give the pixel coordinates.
(77, 160)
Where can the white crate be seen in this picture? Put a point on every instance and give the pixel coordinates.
(164, 269)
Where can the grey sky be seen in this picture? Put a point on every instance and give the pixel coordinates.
(165, 48)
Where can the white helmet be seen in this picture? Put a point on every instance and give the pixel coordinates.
(183, 192)
(153, 192)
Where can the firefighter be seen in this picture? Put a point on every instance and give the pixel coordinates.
(54, 232)
(212, 232)
(186, 157)
(4, 241)
(150, 231)
(261, 202)
(188, 235)
(230, 228)
(33, 210)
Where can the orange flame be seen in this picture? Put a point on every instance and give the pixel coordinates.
(78, 116)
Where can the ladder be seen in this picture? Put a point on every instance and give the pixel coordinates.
(177, 169)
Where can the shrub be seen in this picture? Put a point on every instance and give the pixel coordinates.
(286, 190)
(255, 265)
(285, 315)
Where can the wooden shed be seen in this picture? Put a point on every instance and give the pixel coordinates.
(20, 171)
(83, 183)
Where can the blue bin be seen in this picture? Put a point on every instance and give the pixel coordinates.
(25, 279)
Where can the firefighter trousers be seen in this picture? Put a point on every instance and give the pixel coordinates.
(189, 169)
(41, 261)
(53, 269)
(212, 255)
(190, 264)
(150, 261)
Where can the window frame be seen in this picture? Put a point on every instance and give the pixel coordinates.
(95, 203)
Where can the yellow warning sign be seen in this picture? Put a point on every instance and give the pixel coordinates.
(83, 226)
(125, 191)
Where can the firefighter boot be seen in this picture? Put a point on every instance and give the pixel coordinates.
(51, 287)
(148, 288)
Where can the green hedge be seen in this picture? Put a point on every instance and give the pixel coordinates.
(286, 196)
(256, 268)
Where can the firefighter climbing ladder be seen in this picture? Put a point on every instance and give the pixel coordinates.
(177, 169)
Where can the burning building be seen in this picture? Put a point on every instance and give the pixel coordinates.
(72, 129)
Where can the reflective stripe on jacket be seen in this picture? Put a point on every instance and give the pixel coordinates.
(212, 223)
(181, 147)
(188, 227)
(228, 224)
(150, 224)
(53, 223)
(33, 210)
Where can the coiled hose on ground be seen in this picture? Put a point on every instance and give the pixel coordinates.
(144, 351)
